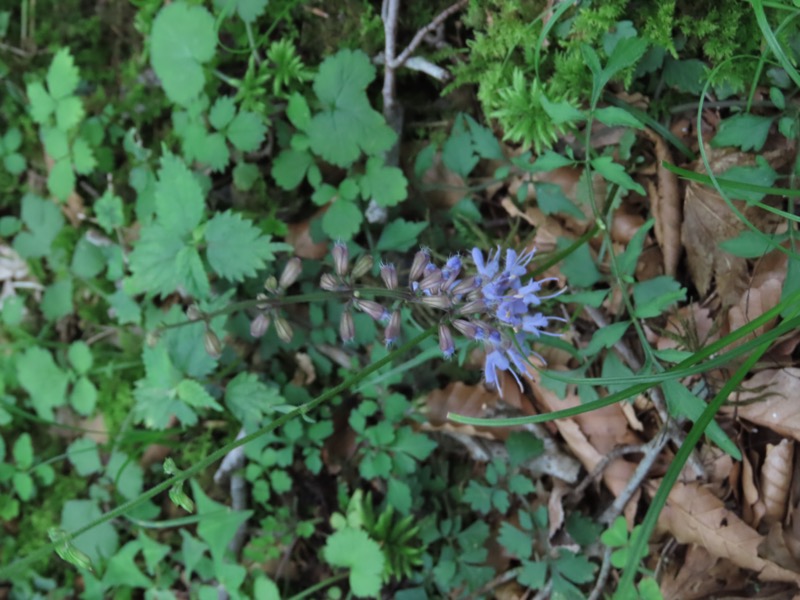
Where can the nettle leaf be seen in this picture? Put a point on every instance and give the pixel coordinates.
(246, 131)
(746, 131)
(153, 261)
(400, 235)
(61, 179)
(290, 167)
(355, 550)
(62, 76)
(44, 220)
(386, 185)
(83, 156)
(195, 395)
(44, 381)
(42, 104)
(654, 296)
(551, 199)
(179, 198)
(236, 249)
(156, 400)
(108, 211)
(615, 173)
(342, 220)
(249, 399)
(213, 151)
(181, 41)
(222, 112)
(191, 273)
(347, 124)
(69, 113)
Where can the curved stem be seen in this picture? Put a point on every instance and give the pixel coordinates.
(7, 571)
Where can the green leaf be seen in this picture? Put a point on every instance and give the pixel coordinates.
(289, 168)
(69, 113)
(124, 308)
(88, 260)
(246, 131)
(218, 524)
(523, 446)
(245, 176)
(127, 475)
(353, 549)
(579, 266)
(222, 113)
(386, 185)
(191, 273)
(179, 198)
(62, 76)
(616, 535)
(458, 155)
(517, 542)
(745, 131)
(122, 570)
(533, 574)
(61, 179)
(400, 235)
(182, 39)
(685, 75)
(83, 157)
(83, 455)
(236, 249)
(342, 220)
(108, 211)
(99, 542)
(792, 282)
(42, 104)
(626, 53)
(548, 161)
(575, 567)
(14, 163)
(761, 174)
(214, 152)
(155, 398)
(56, 142)
(57, 300)
(551, 200)
(682, 403)
(249, 399)
(615, 117)
(479, 497)
(23, 452)
(298, 112)
(654, 296)
(80, 357)
(23, 485)
(44, 220)
(248, 10)
(347, 124)
(398, 495)
(615, 173)
(605, 338)
(153, 262)
(561, 112)
(83, 397)
(484, 141)
(627, 261)
(195, 395)
(749, 244)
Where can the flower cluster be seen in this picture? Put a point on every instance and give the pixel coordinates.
(488, 303)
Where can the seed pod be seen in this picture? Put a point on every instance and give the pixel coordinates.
(290, 273)
(347, 329)
(421, 260)
(440, 302)
(373, 309)
(465, 286)
(284, 330)
(212, 344)
(363, 265)
(446, 341)
(392, 331)
(389, 276)
(259, 325)
(341, 258)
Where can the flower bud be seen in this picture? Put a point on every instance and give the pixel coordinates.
(347, 329)
(466, 328)
(373, 309)
(284, 330)
(328, 282)
(440, 302)
(431, 280)
(341, 257)
(421, 259)
(473, 306)
(363, 265)
(465, 286)
(259, 325)
(446, 341)
(290, 273)
(212, 344)
(271, 285)
(389, 276)
(392, 331)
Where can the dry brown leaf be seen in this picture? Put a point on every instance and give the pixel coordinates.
(625, 225)
(305, 374)
(774, 548)
(771, 398)
(666, 205)
(689, 327)
(701, 576)
(754, 302)
(441, 187)
(514, 212)
(776, 476)
(555, 508)
(299, 236)
(695, 516)
(752, 508)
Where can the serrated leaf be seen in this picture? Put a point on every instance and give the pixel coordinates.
(615, 173)
(386, 185)
(69, 113)
(61, 179)
(298, 112)
(83, 156)
(108, 211)
(289, 168)
(248, 10)
(222, 113)
(484, 141)
(235, 247)
(191, 273)
(745, 131)
(181, 41)
(56, 143)
(196, 395)
(246, 131)
(152, 261)
(249, 399)
(44, 381)
(342, 220)
(83, 455)
(179, 198)
(615, 117)
(44, 220)
(551, 199)
(353, 549)
(517, 542)
(156, 403)
(62, 76)
(42, 104)
(213, 151)
(400, 235)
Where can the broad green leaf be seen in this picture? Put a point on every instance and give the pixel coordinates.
(551, 199)
(80, 357)
(56, 142)
(62, 76)
(61, 179)
(523, 446)
(222, 113)
(761, 174)
(342, 220)
(745, 131)
(748, 244)
(156, 403)
(606, 337)
(191, 273)
(57, 300)
(108, 211)
(195, 395)
(548, 161)
(685, 75)
(249, 399)
(614, 117)
(248, 10)
(615, 173)
(22, 452)
(353, 549)
(400, 235)
(126, 473)
(83, 455)
(214, 152)
(298, 112)
(153, 262)
(398, 495)
(289, 168)
(44, 220)
(14, 163)
(654, 296)
(458, 155)
(88, 260)
(626, 53)
(182, 39)
(484, 141)
(561, 112)
(386, 185)
(42, 104)
(98, 543)
(219, 522)
(627, 261)
(122, 569)
(83, 397)
(235, 247)
(579, 267)
(23, 485)
(179, 198)
(517, 542)
(246, 131)
(69, 113)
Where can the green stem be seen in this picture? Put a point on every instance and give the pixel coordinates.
(7, 571)
(318, 586)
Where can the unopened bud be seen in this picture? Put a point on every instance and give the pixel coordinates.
(284, 330)
(389, 276)
(373, 309)
(290, 273)
(392, 331)
(466, 328)
(347, 329)
(471, 307)
(193, 313)
(271, 285)
(341, 257)
(465, 286)
(446, 341)
(212, 344)
(328, 282)
(431, 280)
(259, 325)
(421, 259)
(363, 265)
(440, 302)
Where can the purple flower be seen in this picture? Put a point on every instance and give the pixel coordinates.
(487, 271)
(494, 360)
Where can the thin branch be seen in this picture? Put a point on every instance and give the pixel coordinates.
(420, 35)
(602, 577)
(615, 453)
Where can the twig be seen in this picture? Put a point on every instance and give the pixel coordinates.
(602, 577)
(615, 453)
(420, 35)
(229, 470)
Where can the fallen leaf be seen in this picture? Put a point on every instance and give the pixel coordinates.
(441, 187)
(701, 575)
(695, 516)
(666, 205)
(690, 327)
(769, 399)
(754, 302)
(776, 476)
(299, 236)
(775, 549)
(752, 508)
(555, 508)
